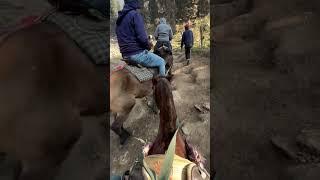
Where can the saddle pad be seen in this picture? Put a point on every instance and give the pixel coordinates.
(142, 74)
(89, 35)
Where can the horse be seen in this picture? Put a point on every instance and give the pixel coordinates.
(46, 84)
(167, 129)
(124, 89)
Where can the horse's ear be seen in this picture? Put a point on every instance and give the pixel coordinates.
(154, 81)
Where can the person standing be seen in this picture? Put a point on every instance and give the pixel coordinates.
(187, 42)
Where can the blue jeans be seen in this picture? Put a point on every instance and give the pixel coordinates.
(149, 59)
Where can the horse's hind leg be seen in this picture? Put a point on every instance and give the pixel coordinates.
(126, 103)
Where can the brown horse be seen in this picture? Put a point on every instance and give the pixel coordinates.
(167, 128)
(46, 83)
(124, 89)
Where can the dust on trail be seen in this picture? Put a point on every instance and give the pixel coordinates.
(88, 159)
(191, 86)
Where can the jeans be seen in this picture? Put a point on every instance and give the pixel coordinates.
(149, 59)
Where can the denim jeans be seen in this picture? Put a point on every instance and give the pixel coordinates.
(149, 59)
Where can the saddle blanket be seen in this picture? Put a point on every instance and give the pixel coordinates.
(142, 74)
(89, 35)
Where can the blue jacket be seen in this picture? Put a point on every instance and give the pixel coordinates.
(187, 38)
(132, 37)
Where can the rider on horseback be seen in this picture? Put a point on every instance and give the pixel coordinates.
(133, 40)
(163, 35)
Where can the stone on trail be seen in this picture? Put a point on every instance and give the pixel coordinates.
(206, 106)
(310, 141)
(198, 107)
(186, 129)
(204, 117)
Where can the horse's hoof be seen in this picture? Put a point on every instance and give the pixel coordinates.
(124, 136)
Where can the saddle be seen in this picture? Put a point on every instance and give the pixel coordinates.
(181, 168)
(166, 166)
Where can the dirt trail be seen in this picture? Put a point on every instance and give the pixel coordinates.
(253, 103)
(191, 87)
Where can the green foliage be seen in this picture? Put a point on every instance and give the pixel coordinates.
(198, 23)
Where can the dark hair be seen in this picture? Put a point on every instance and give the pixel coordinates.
(186, 27)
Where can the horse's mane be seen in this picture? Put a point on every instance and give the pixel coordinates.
(164, 100)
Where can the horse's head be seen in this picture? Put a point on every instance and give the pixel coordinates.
(164, 51)
(187, 158)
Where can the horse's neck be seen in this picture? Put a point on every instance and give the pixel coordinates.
(167, 126)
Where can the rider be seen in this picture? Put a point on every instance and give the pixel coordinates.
(132, 38)
(163, 35)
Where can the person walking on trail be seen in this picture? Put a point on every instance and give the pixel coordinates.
(187, 41)
(163, 34)
(133, 40)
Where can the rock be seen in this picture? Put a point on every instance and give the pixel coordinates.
(186, 129)
(286, 146)
(310, 140)
(138, 111)
(204, 117)
(123, 160)
(198, 107)
(206, 106)
(176, 97)
(304, 172)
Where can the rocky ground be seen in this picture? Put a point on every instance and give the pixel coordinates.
(191, 96)
(266, 90)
